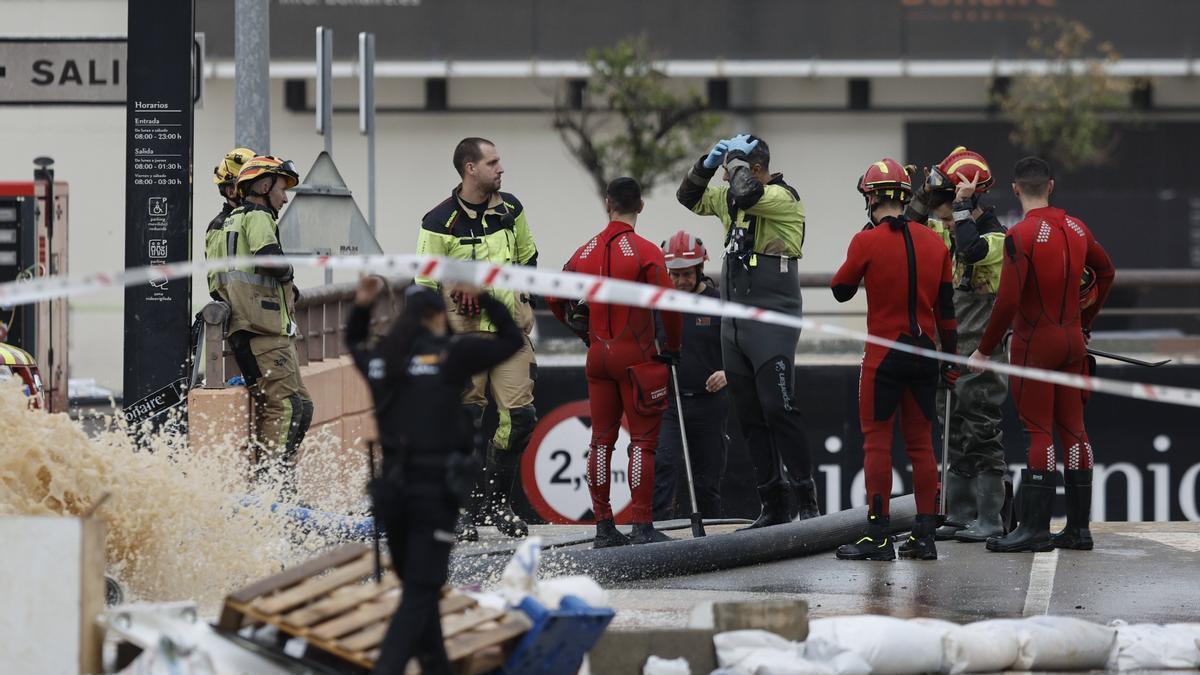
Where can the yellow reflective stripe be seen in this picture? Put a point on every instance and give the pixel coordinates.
(6, 356)
(964, 162)
(15, 356)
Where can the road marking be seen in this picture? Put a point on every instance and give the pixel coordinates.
(1041, 583)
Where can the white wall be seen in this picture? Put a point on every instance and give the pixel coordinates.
(820, 154)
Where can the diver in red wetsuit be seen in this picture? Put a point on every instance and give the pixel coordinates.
(1044, 258)
(909, 280)
(625, 371)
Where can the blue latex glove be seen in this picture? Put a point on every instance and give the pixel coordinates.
(741, 144)
(716, 155)
(236, 381)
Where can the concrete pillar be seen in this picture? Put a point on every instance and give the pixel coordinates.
(252, 84)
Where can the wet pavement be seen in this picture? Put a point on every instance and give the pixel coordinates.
(1139, 572)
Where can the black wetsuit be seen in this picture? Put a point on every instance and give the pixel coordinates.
(422, 429)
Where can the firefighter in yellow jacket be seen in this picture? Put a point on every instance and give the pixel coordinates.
(479, 222)
(225, 178)
(262, 304)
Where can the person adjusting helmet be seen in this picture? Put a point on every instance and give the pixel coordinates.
(262, 308)
(949, 203)
(907, 272)
(225, 178)
(763, 220)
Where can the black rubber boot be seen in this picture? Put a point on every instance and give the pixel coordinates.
(1076, 534)
(1033, 532)
(960, 504)
(989, 502)
(875, 544)
(774, 509)
(464, 529)
(644, 533)
(501, 476)
(920, 544)
(805, 492)
(607, 535)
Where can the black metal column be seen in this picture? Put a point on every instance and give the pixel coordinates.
(158, 193)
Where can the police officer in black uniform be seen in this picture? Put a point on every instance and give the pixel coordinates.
(417, 374)
(702, 382)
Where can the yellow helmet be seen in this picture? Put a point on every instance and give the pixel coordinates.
(226, 171)
(266, 165)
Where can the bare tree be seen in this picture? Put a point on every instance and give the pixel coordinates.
(630, 122)
(1063, 111)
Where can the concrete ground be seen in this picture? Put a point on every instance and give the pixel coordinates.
(1139, 572)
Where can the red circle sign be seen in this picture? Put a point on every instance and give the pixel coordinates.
(554, 467)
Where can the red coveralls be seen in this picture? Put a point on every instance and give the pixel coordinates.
(620, 337)
(1039, 297)
(909, 280)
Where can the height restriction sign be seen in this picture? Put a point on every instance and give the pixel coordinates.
(554, 467)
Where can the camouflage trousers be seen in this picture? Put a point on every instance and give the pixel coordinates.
(976, 442)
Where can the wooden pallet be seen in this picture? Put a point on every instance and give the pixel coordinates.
(330, 602)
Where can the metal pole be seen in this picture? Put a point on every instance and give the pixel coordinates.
(366, 114)
(697, 519)
(325, 98)
(324, 85)
(945, 454)
(252, 78)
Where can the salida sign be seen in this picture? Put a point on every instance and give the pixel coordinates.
(79, 71)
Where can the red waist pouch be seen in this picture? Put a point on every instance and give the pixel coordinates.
(650, 387)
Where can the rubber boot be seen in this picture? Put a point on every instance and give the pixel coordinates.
(805, 491)
(960, 505)
(501, 476)
(920, 544)
(1033, 532)
(1076, 534)
(875, 544)
(464, 529)
(989, 502)
(774, 509)
(644, 533)
(608, 535)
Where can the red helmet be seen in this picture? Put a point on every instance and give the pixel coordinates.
(888, 179)
(1088, 292)
(971, 165)
(683, 250)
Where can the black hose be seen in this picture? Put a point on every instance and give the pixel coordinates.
(693, 556)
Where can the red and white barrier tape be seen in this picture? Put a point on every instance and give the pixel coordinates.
(563, 285)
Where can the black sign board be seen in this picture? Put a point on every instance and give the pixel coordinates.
(156, 403)
(158, 194)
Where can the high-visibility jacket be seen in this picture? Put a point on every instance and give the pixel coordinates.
(261, 299)
(499, 234)
(978, 249)
(759, 219)
(214, 244)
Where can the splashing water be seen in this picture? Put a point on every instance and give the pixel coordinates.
(175, 527)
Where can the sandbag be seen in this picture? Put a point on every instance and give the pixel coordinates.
(758, 652)
(1151, 646)
(657, 666)
(980, 649)
(890, 646)
(1055, 642)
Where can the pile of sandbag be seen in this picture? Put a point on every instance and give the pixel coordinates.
(857, 645)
